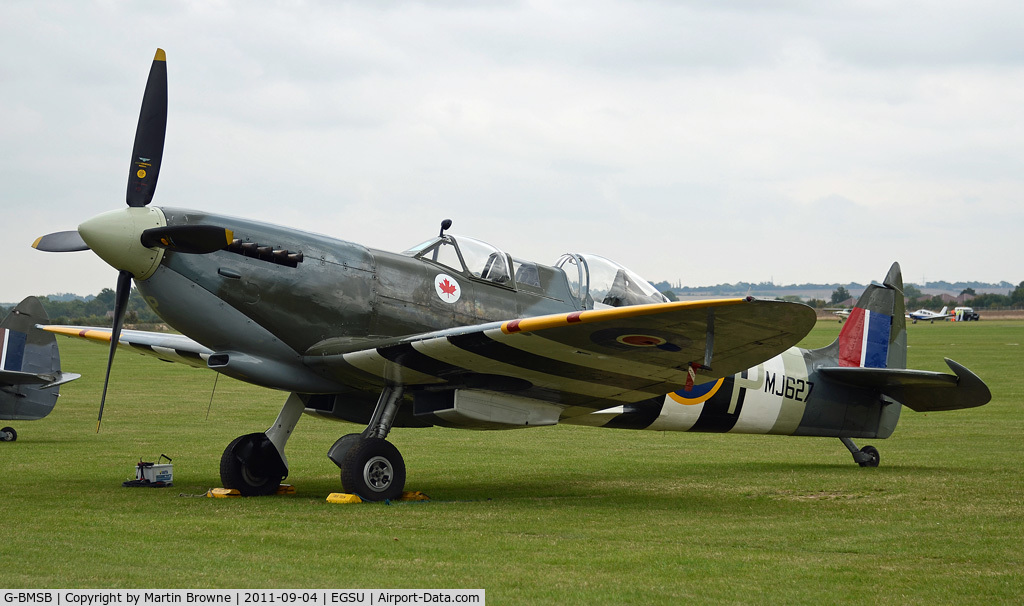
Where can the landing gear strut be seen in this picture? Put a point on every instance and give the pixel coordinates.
(254, 464)
(865, 457)
(372, 467)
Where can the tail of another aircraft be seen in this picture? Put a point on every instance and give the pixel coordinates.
(875, 334)
(30, 373)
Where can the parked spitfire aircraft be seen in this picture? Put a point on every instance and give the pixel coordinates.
(931, 316)
(30, 375)
(455, 332)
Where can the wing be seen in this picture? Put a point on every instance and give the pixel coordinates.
(596, 358)
(167, 347)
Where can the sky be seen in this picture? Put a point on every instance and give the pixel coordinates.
(695, 142)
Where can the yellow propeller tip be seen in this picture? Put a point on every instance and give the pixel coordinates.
(160, 55)
(36, 243)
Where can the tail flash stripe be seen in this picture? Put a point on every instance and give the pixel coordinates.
(876, 340)
(864, 341)
(851, 338)
(12, 349)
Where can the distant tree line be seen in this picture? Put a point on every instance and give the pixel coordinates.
(914, 297)
(912, 294)
(96, 311)
(1015, 298)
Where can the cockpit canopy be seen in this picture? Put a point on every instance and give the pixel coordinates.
(598, 282)
(593, 281)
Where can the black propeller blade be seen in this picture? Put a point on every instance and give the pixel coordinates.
(193, 239)
(61, 241)
(149, 135)
(142, 175)
(124, 289)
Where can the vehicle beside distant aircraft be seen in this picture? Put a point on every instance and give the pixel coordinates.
(965, 314)
(30, 374)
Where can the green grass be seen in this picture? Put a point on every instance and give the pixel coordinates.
(561, 514)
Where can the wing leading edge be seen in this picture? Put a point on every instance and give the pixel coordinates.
(167, 347)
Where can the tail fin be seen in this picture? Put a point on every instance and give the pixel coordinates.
(872, 354)
(875, 334)
(30, 373)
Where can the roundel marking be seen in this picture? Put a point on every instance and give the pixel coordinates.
(447, 289)
(624, 339)
(641, 340)
(141, 174)
(698, 394)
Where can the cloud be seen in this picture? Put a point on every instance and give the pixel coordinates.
(697, 141)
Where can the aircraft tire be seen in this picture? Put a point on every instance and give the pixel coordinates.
(7, 434)
(875, 457)
(374, 470)
(242, 469)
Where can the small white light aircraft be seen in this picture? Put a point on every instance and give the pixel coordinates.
(842, 314)
(931, 316)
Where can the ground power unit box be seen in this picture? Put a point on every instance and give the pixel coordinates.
(153, 474)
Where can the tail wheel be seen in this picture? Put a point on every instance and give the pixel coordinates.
(7, 434)
(875, 457)
(249, 467)
(373, 469)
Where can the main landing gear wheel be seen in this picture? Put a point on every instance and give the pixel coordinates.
(873, 453)
(373, 469)
(7, 434)
(252, 466)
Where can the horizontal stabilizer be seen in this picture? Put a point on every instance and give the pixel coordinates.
(919, 390)
(42, 379)
(61, 378)
(16, 377)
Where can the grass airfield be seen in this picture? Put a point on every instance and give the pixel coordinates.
(547, 515)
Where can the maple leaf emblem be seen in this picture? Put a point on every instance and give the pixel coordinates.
(447, 287)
